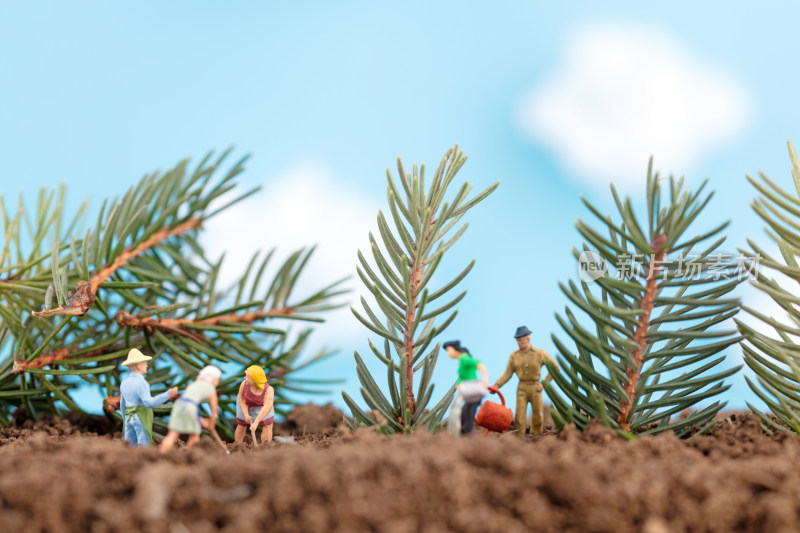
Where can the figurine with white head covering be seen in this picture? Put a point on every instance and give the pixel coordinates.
(185, 417)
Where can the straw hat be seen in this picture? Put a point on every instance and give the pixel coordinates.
(135, 356)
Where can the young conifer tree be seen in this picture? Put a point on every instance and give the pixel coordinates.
(771, 349)
(72, 306)
(407, 307)
(647, 336)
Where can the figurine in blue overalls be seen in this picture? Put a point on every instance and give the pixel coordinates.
(136, 403)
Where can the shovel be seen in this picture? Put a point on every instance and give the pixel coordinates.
(253, 433)
(213, 432)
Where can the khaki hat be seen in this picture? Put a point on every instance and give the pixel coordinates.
(135, 356)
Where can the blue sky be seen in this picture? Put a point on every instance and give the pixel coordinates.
(552, 101)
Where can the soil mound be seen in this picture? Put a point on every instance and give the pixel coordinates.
(73, 425)
(733, 479)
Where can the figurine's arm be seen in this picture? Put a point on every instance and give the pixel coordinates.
(213, 404)
(268, 401)
(151, 401)
(507, 374)
(240, 399)
(482, 370)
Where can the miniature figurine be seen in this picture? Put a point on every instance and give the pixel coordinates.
(471, 391)
(254, 405)
(136, 403)
(185, 416)
(527, 363)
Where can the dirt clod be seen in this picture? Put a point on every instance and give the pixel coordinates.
(313, 418)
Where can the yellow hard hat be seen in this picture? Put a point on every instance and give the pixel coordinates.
(256, 373)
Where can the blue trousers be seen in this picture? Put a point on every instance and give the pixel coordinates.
(134, 432)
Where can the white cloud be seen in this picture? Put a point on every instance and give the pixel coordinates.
(303, 206)
(625, 92)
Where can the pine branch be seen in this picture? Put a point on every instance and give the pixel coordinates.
(772, 351)
(145, 257)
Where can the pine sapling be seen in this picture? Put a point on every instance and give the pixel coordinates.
(652, 299)
(422, 233)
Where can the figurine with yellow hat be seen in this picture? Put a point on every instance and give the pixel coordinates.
(136, 403)
(255, 405)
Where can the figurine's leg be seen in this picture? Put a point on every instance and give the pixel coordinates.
(465, 428)
(238, 434)
(468, 417)
(266, 433)
(140, 435)
(191, 441)
(454, 419)
(537, 421)
(129, 434)
(472, 412)
(521, 412)
(529, 389)
(528, 402)
(168, 442)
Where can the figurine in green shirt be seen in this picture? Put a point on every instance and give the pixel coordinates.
(470, 388)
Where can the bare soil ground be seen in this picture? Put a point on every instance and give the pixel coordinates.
(75, 475)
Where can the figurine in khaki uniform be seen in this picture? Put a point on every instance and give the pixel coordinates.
(527, 363)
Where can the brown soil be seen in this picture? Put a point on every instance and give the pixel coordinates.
(59, 476)
(310, 418)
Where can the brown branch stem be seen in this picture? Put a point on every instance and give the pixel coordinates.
(408, 337)
(42, 361)
(149, 324)
(85, 293)
(633, 373)
(182, 326)
(61, 354)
